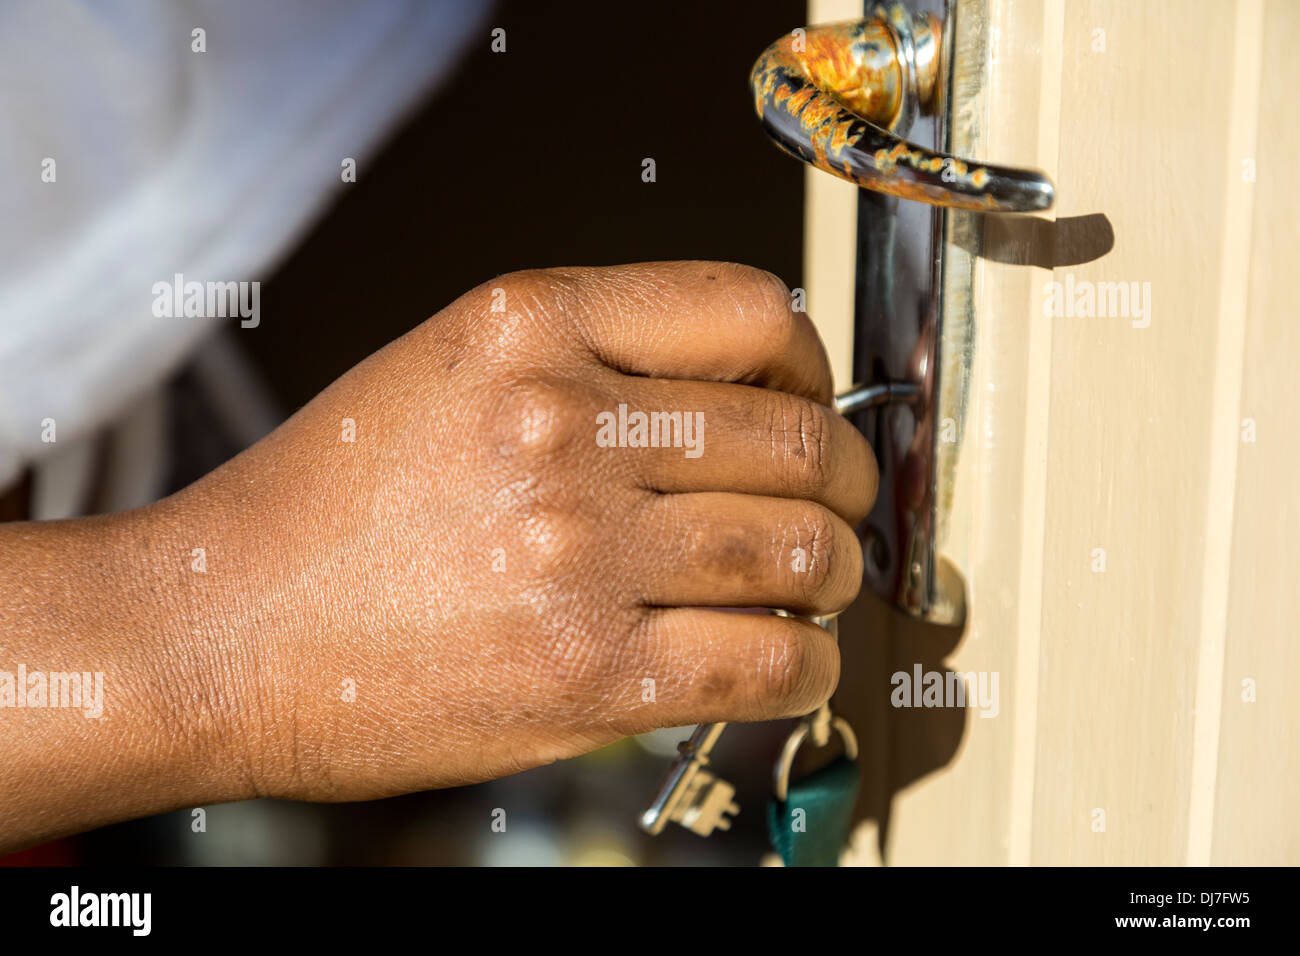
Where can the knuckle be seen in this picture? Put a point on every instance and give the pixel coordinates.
(768, 290)
(764, 303)
(555, 541)
(791, 678)
(533, 417)
(815, 536)
(794, 678)
(551, 286)
(802, 433)
(519, 308)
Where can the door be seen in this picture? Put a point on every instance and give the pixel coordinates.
(1123, 505)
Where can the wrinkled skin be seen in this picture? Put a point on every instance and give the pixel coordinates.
(496, 587)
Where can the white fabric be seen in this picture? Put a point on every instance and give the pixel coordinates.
(171, 161)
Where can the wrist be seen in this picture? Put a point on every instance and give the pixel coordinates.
(122, 709)
(204, 650)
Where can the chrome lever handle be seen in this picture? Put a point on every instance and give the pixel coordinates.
(833, 96)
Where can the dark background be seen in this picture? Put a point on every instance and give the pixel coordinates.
(532, 158)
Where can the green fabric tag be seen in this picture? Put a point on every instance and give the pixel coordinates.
(812, 826)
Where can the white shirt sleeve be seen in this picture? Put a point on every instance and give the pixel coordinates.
(127, 157)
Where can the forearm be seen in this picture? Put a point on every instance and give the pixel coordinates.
(110, 703)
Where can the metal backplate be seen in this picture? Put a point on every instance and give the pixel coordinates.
(912, 323)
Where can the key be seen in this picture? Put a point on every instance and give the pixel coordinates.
(708, 804)
(690, 794)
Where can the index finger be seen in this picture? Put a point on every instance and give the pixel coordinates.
(709, 321)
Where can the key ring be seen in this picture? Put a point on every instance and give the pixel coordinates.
(817, 725)
(809, 726)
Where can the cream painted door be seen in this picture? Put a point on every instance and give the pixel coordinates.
(1126, 502)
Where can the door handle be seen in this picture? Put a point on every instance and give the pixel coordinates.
(836, 96)
(842, 97)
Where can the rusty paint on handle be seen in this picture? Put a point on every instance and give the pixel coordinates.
(831, 96)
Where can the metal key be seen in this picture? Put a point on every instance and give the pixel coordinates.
(690, 794)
